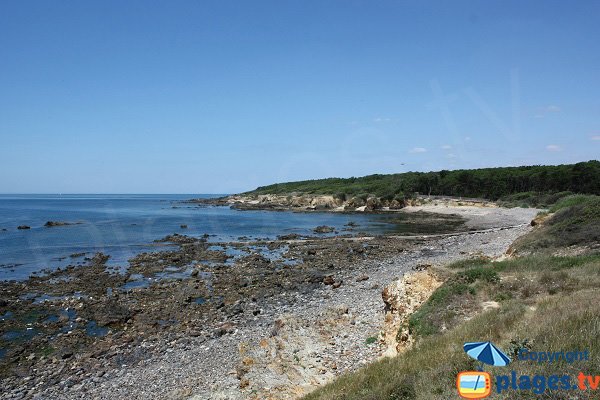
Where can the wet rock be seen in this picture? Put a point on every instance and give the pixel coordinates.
(111, 313)
(290, 236)
(50, 224)
(323, 229)
(22, 227)
(183, 226)
(177, 238)
(99, 259)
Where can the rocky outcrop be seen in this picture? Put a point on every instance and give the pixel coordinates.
(315, 202)
(323, 229)
(296, 358)
(402, 298)
(51, 224)
(309, 202)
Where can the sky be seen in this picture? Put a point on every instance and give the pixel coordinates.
(224, 96)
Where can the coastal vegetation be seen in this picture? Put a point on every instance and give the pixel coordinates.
(545, 300)
(575, 221)
(538, 185)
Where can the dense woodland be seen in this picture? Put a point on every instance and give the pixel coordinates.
(489, 183)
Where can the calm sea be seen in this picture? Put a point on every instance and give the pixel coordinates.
(125, 225)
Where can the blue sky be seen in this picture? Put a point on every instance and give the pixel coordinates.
(223, 96)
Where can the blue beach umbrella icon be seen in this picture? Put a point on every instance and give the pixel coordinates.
(487, 353)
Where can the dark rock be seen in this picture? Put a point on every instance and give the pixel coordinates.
(50, 224)
(328, 280)
(224, 329)
(421, 267)
(111, 313)
(183, 226)
(237, 309)
(323, 229)
(177, 238)
(99, 259)
(290, 236)
(21, 227)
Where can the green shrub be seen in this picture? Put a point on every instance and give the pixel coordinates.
(341, 196)
(486, 274)
(570, 201)
(371, 340)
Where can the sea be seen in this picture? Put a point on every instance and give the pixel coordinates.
(122, 226)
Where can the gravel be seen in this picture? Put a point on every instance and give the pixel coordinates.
(324, 331)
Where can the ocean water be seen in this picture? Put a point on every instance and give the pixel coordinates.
(125, 225)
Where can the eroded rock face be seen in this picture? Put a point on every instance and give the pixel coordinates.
(309, 202)
(402, 298)
(296, 358)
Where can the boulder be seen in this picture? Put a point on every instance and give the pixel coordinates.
(373, 203)
(323, 229)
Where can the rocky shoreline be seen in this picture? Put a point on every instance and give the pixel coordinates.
(315, 202)
(264, 319)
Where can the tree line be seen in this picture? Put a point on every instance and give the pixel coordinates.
(488, 183)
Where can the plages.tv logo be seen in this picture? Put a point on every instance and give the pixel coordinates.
(478, 384)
